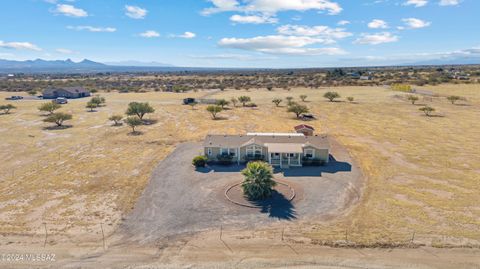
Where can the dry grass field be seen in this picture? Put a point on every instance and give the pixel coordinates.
(422, 173)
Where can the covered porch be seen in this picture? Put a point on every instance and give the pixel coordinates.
(284, 155)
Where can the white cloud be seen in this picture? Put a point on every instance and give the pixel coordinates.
(70, 11)
(187, 35)
(150, 34)
(343, 22)
(330, 35)
(19, 46)
(376, 39)
(449, 2)
(414, 23)
(65, 51)
(253, 19)
(378, 24)
(416, 3)
(92, 28)
(272, 6)
(279, 44)
(135, 12)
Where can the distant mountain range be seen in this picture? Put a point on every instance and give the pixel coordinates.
(88, 66)
(39, 63)
(139, 64)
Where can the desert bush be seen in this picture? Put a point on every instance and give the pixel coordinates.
(133, 122)
(214, 110)
(403, 87)
(58, 118)
(49, 107)
(277, 101)
(200, 161)
(222, 103)
(428, 110)
(116, 119)
(298, 109)
(139, 109)
(454, 98)
(6, 108)
(412, 98)
(244, 100)
(331, 96)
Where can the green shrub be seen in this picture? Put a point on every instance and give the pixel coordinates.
(258, 182)
(200, 161)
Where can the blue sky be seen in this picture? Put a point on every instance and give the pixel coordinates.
(241, 33)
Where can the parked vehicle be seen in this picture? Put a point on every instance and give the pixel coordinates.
(14, 97)
(187, 101)
(60, 100)
(307, 117)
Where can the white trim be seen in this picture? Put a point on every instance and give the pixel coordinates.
(209, 152)
(306, 151)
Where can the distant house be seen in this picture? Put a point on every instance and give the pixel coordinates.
(282, 150)
(366, 78)
(67, 92)
(304, 129)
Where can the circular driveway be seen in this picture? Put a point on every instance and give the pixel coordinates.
(180, 199)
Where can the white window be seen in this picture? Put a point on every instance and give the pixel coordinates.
(224, 151)
(254, 150)
(209, 151)
(309, 153)
(232, 152)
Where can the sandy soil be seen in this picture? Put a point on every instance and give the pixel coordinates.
(422, 174)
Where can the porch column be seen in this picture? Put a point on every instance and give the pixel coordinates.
(299, 160)
(238, 156)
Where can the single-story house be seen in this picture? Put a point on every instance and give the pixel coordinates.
(278, 149)
(67, 92)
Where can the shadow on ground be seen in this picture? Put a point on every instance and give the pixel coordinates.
(233, 168)
(277, 206)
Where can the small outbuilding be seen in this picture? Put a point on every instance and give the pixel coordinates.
(304, 129)
(67, 92)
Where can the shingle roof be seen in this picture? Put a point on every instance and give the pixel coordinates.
(304, 126)
(235, 141)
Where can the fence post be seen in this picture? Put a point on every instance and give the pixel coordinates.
(103, 235)
(346, 235)
(46, 234)
(413, 237)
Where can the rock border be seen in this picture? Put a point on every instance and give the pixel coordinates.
(292, 191)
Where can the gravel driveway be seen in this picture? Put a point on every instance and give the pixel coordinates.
(180, 199)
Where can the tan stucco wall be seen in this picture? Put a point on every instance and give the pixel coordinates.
(322, 154)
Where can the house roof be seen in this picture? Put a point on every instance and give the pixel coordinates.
(67, 89)
(236, 141)
(304, 126)
(284, 147)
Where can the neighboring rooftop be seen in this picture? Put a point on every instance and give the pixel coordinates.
(304, 126)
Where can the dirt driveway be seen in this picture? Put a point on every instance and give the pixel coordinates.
(180, 199)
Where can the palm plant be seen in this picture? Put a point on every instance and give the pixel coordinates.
(258, 183)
